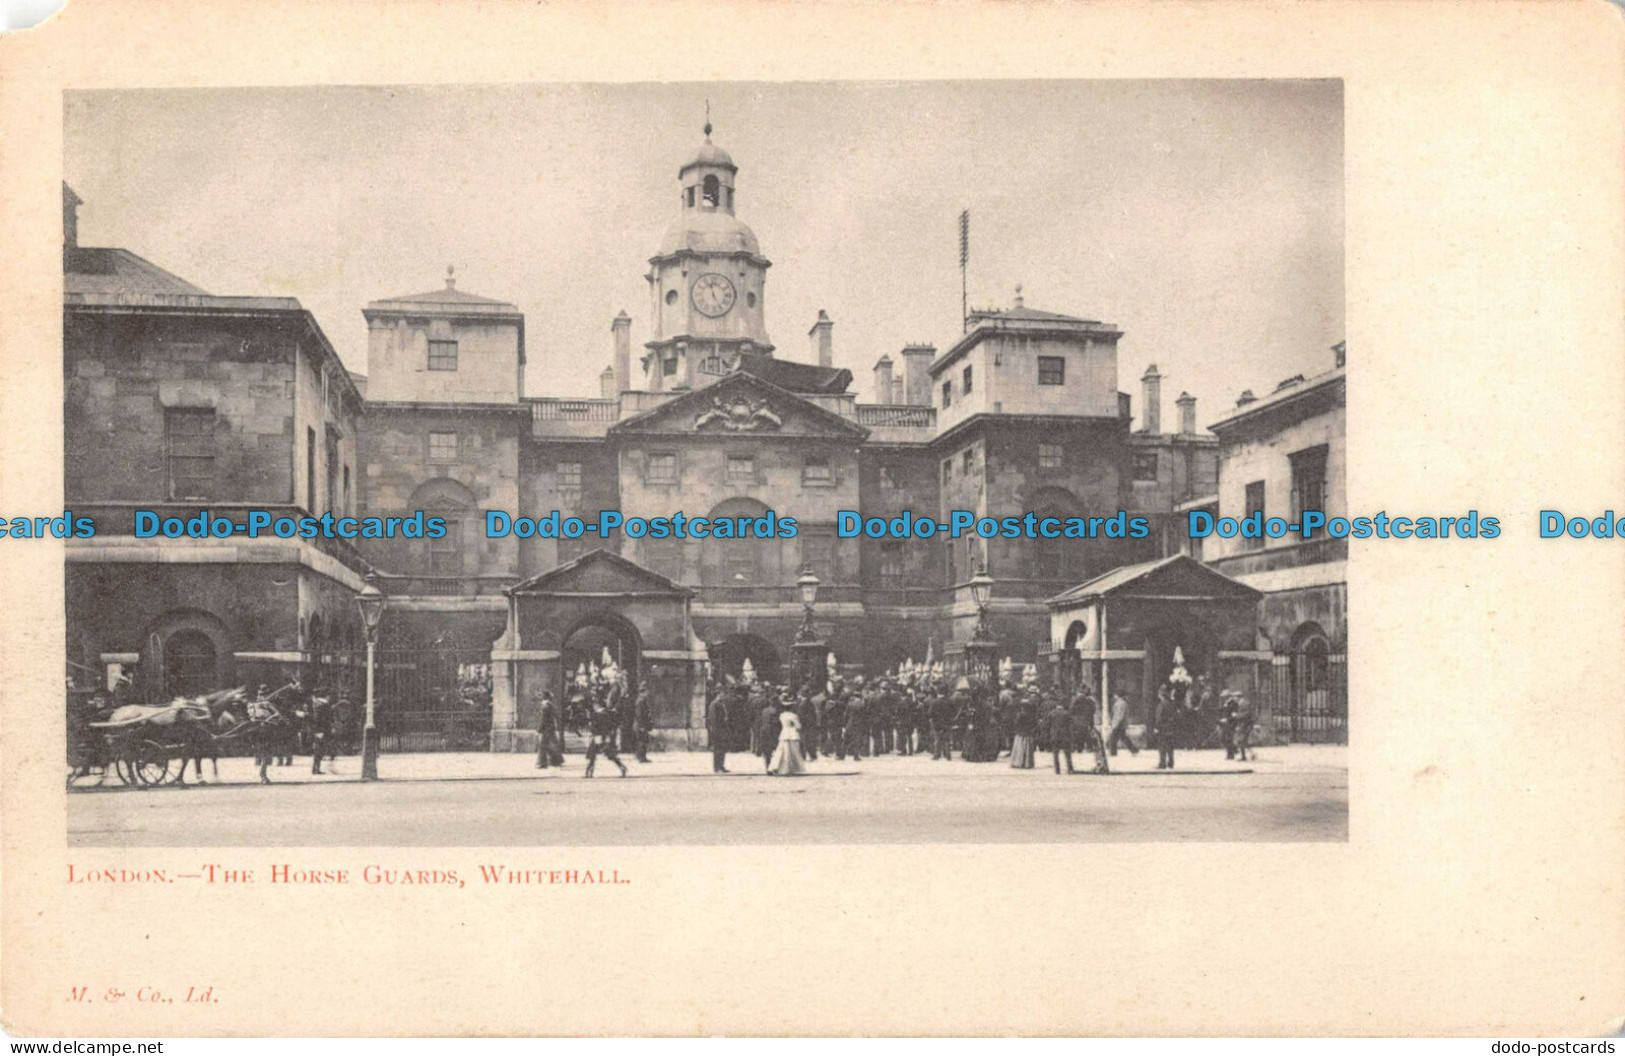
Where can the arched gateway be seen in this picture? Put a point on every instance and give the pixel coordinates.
(568, 617)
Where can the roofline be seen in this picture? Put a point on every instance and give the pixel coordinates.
(498, 311)
(1280, 398)
(985, 329)
(1068, 597)
(439, 406)
(210, 305)
(1028, 419)
(676, 589)
(731, 254)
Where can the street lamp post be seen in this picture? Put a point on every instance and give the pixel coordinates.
(371, 603)
(810, 650)
(982, 649)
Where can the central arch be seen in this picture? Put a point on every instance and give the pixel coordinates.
(588, 638)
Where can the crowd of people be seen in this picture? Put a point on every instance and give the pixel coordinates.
(924, 712)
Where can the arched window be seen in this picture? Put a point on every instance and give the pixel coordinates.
(740, 561)
(189, 664)
(451, 502)
(712, 192)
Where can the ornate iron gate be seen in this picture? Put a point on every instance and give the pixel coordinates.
(1309, 695)
(434, 698)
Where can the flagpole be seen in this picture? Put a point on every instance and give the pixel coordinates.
(964, 259)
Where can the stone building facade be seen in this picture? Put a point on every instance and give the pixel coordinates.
(1022, 412)
(176, 401)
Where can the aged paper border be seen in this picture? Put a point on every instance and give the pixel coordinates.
(1480, 890)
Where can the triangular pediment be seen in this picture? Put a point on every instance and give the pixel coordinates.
(599, 572)
(741, 404)
(1178, 577)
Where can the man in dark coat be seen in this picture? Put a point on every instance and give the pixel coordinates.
(320, 724)
(549, 747)
(767, 732)
(719, 729)
(641, 722)
(1058, 734)
(857, 722)
(1165, 727)
(835, 722)
(811, 710)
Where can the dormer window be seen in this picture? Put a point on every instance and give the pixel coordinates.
(712, 193)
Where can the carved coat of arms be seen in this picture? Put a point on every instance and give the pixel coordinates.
(738, 414)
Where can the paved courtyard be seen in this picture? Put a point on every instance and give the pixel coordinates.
(1293, 793)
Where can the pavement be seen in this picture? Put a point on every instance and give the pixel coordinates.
(1285, 793)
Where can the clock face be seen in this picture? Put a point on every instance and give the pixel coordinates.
(713, 294)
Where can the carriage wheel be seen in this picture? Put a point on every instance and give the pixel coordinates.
(151, 764)
(126, 774)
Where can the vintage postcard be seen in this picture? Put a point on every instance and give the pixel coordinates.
(569, 520)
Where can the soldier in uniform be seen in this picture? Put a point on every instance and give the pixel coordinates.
(603, 724)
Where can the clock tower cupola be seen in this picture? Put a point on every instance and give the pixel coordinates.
(707, 282)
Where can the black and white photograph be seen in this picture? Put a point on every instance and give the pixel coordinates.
(546, 465)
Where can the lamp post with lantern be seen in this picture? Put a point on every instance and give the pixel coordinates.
(811, 652)
(981, 651)
(371, 602)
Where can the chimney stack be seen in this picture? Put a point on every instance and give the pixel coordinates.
(1151, 401)
(607, 384)
(822, 345)
(1187, 414)
(884, 383)
(622, 329)
(1245, 398)
(916, 374)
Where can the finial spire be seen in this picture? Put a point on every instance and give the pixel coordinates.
(1018, 295)
(451, 277)
(708, 119)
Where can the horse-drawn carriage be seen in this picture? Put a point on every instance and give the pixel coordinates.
(147, 745)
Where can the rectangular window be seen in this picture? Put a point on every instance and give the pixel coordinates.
(741, 469)
(1051, 370)
(1145, 465)
(348, 509)
(815, 470)
(888, 479)
(891, 564)
(442, 355)
(1255, 504)
(662, 468)
(1050, 456)
(969, 459)
(332, 469)
(965, 382)
(189, 452)
(568, 488)
(947, 470)
(446, 553)
(1308, 481)
(310, 470)
(668, 367)
(948, 551)
(442, 447)
(947, 394)
(818, 554)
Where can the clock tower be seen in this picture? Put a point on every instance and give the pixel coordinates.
(707, 282)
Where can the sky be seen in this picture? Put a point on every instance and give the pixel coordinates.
(1202, 218)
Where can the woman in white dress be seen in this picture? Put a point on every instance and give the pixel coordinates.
(787, 757)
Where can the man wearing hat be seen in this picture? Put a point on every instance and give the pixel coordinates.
(718, 728)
